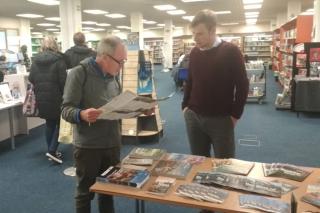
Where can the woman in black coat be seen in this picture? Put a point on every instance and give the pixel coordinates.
(48, 75)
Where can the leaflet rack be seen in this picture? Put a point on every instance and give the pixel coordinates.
(143, 125)
(256, 72)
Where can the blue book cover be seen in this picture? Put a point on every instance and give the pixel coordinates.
(139, 179)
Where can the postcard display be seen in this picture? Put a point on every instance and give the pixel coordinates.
(142, 125)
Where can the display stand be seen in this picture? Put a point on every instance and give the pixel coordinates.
(142, 125)
(256, 73)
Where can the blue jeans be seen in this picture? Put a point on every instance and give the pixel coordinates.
(52, 134)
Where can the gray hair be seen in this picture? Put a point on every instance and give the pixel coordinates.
(206, 17)
(108, 45)
(49, 43)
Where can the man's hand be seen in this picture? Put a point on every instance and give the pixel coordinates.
(90, 115)
(234, 121)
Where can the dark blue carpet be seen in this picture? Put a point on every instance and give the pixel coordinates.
(29, 183)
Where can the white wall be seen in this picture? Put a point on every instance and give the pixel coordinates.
(9, 23)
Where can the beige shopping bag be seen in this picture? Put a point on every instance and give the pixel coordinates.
(65, 132)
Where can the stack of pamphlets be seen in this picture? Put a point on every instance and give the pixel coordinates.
(239, 182)
(161, 185)
(202, 193)
(313, 198)
(124, 176)
(288, 171)
(232, 166)
(286, 187)
(192, 159)
(137, 161)
(175, 169)
(264, 203)
(147, 153)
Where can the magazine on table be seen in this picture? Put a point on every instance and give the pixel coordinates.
(232, 166)
(124, 176)
(313, 188)
(312, 198)
(192, 159)
(287, 171)
(175, 169)
(202, 193)
(286, 187)
(147, 153)
(264, 203)
(137, 161)
(161, 185)
(239, 182)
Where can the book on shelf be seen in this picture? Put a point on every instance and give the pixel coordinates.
(238, 182)
(124, 176)
(287, 171)
(147, 153)
(202, 193)
(192, 159)
(161, 185)
(264, 203)
(175, 169)
(233, 166)
(312, 198)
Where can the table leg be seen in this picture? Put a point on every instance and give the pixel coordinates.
(142, 206)
(11, 128)
(137, 206)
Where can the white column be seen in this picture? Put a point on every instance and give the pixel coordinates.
(186, 29)
(70, 21)
(293, 9)
(167, 44)
(136, 20)
(281, 19)
(316, 21)
(25, 34)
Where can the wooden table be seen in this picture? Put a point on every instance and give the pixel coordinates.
(231, 204)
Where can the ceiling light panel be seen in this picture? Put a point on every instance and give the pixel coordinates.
(176, 12)
(45, 2)
(189, 18)
(124, 27)
(115, 15)
(52, 29)
(252, 6)
(252, 1)
(164, 7)
(95, 12)
(251, 13)
(222, 12)
(29, 15)
(187, 1)
(228, 24)
(103, 24)
(149, 22)
(52, 19)
(252, 16)
(46, 24)
(89, 22)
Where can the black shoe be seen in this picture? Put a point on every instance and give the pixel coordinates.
(54, 157)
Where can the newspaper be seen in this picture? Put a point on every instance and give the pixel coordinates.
(128, 105)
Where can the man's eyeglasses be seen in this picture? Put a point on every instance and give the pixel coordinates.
(121, 63)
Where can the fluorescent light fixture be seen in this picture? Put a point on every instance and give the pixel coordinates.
(98, 29)
(115, 31)
(58, 25)
(187, 1)
(222, 12)
(251, 13)
(29, 15)
(252, 16)
(95, 12)
(45, 2)
(57, 32)
(252, 1)
(46, 24)
(189, 18)
(52, 29)
(103, 24)
(164, 7)
(52, 18)
(160, 25)
(231, 23)
(176, 12)
(89, 22)
(149, 22)
(36, 33)
(115, 15)
(178, 27)
(152, 28)
(252, 6)
(31, 28)
(123, 27)
(251, 20)
(87, 28)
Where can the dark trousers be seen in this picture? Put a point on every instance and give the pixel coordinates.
(90, 163)
(52, 134)
(204, 132)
